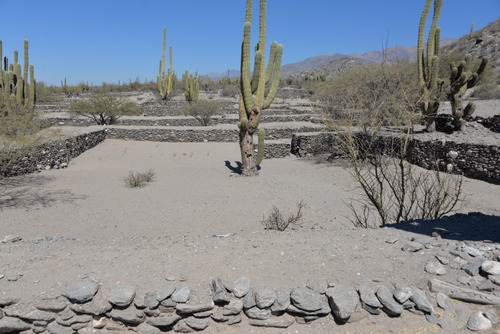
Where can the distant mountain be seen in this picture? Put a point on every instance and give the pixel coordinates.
(217, 76)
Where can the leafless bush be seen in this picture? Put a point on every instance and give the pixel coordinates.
(276, 221)
(138, 179)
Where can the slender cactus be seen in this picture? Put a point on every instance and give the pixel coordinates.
(165, 81)
(191, 87)
(428, 64)
(461, 79)
(253, 99)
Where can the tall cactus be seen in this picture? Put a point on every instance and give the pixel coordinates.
(165, 81)
(16, 82)
(461, 79)
(191, 88)
(428, 64)
(253, 99)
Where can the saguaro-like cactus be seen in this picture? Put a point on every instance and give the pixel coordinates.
(428, 64)
(165, 81)
(13, 82)
(461, 79)
(253, 99)
(191, 88)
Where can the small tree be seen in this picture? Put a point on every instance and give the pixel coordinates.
(202, 111)
(105, 109)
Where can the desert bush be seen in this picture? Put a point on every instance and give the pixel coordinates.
(105, 109)
(202, 111)
(490, 91)
(276, 221)
(138, 179)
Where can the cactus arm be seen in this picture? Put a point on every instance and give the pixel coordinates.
(256, 70)
(420, 45)
(246, 87)
(260, 147)
(276, 77)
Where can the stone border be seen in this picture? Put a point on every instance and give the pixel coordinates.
(478, 162)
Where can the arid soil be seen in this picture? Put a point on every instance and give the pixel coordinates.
(199, 220)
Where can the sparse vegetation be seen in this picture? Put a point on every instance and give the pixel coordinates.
(138, 179)
(276, 221)
(202, 111)
(105, 109)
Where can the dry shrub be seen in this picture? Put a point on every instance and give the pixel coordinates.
(139, 179)
(276, 221)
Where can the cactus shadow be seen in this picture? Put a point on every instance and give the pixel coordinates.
(238, 169)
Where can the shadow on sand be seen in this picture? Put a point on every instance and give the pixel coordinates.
(238, 169)
(28, 192)
(473, 226)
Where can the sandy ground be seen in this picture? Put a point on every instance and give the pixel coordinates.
(199, 220)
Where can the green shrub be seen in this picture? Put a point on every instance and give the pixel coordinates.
(202, 111)
(105, 109)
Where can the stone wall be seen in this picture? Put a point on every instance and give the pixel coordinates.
(54, 154)
(479, 162)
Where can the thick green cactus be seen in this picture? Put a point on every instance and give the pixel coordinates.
(461, 79)
(191, 88)
(165, 81)
(253, 88)
(13, 82)
(428, 64)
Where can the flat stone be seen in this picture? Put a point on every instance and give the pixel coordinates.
(145, 328)
(478, 322)
(130, 315)
(78, 319)
(368, 297)
(264, 298)
(371, 309)
(219, 292)
(56, 304)
(471, 251)
(97, 306)
(12, 324)
(421, 301)
(26, 311)
(281, 303)
(196, 324)
(318, 284)
(249, 300)
(435, 268)
(325, 310)
(443, 259)
(81, 292)
(486, 285)
(165, 291)
(164, 320)
(234, 320)
(182, 327)
(491, 267)
(241, 287)
(257, 313)
(189, 308)
(6, 301)
(391, 306)
(234, 307)
(495, 279)
(343, 301)
(472, 267)
(122, 295)
(402, 294)
(283, 321)
(11, 239)
(306, 299)
(55, 328)
(444, 321)
(443, 301)
(181, 294)
(412, 246)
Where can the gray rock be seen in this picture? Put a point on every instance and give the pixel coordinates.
(81, 292)
(306, 299)
(241, 287)
(164, 320)
(97, 306)
(391, 307)
(463, 280)
(435, 268)
(249, 300)
(78, 319)
(443, 259)
(281, 303)
(234, 320)
(283, 321)
(11, 239)
(431, 318)
(471, 251)
(492, 316)
(165, 291)
(443, 301)
(264, 298)
(444, 321)
(343, 301)
(26, 311)
(13, 278)
(491, 267)
(219, 292)
(181, 294)
(55, 328)
(472, 267)
(325, 310)
(318, 284)
(56, 304)
(370, 309)
(130, 315)
(6, 301)
(234, 307)
(412, 246)
(182, 327)
(402, 294)
(197, 324)
(392, 240)
(145, 328)
(11, 325)
(122, 295)
(257, 313)
(495, 279)
(421, 301)
(486, 285)
(206, 304)
(368, 297)
(478, 322)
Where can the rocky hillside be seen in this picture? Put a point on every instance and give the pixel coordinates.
(329, 70)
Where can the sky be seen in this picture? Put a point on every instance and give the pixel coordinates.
(97, 41)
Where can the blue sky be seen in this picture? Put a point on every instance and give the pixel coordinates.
(111, 40)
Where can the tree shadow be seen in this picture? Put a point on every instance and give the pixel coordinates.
(28, 192)
(472, 226)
